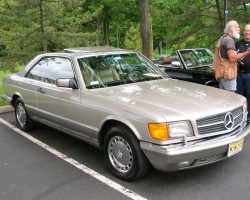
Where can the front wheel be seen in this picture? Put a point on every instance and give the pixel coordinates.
(23, 119)
(123, 154)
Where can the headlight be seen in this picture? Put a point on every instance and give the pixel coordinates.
(182, 128)
(164, 131)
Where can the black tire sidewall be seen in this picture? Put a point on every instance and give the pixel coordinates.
(138, 156)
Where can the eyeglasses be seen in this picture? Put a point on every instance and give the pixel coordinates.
(246, 30)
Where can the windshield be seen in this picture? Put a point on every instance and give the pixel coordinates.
(196, 57)
(111, 70)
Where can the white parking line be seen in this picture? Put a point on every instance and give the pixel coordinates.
(80, 166)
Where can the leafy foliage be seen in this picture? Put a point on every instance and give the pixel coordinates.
(133, 39)
(34, 26)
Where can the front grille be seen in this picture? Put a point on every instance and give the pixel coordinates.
(215, 123)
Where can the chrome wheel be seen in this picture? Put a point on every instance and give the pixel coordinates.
(120, 154)
(21, 114)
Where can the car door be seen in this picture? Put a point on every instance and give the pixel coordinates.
(29, 84)
(56, 105)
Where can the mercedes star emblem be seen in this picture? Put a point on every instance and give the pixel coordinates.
(229, 121)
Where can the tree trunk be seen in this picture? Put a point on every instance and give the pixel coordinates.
(219, 15)
(146, 29)
(117, 38)
(44, 41)
(97, 32)
(106, 32)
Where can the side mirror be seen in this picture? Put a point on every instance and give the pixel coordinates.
(66, 82)
(176, 63)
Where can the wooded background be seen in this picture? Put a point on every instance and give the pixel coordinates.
(30, 27)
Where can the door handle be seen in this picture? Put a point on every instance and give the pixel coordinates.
(41, 90)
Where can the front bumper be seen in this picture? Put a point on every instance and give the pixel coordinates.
(173, 158)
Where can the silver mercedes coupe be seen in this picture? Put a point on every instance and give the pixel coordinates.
(120, 102)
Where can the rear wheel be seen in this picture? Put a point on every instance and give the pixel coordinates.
(123, 154)
(23, 119)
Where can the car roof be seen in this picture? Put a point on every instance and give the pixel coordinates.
(93, 49)
(87, 51)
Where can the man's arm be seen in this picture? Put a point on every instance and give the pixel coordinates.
(234, 55)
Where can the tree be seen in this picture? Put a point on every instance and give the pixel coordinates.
(146, 28)
(112, 21)
(34, 26)
(187, 24)
(133, 39)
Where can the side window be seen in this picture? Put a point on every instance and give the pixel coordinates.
(39, 70)
(59, 68)
(51, 68)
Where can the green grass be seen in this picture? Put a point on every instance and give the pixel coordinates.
(2, 73)
(2, 102)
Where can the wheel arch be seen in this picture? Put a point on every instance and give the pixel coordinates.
(14, 98)
(111, 123)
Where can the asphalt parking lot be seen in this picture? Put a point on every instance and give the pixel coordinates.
(28, 171)
(32, 171)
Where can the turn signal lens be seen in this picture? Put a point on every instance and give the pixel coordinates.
(158, 131)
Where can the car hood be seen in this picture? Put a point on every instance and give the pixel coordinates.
(171, 99)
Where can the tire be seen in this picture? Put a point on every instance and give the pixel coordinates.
(23, 119)
(123, 155)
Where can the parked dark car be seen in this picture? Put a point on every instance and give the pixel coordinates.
(192, 65)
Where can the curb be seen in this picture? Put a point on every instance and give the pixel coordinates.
(6, 109)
